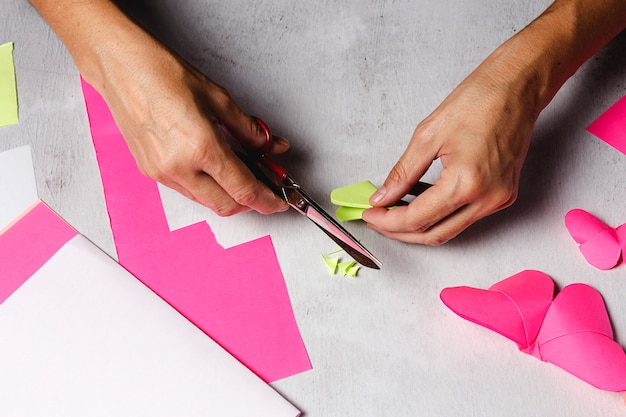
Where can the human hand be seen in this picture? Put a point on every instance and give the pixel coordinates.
(481, 133)
(170, 115)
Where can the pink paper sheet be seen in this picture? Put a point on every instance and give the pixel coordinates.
(237, 295)
(601, 245)
(572, 331)
(611, 126)
(40, 230)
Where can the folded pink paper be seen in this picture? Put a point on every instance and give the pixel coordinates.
(572, 331)
(236, 295)
(601, 245)
(611, 126)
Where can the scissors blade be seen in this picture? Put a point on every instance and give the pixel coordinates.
(298, 199)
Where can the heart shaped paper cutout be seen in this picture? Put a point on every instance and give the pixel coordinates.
(601, 245)
(572, 332)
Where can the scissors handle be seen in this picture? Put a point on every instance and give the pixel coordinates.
(276, 169)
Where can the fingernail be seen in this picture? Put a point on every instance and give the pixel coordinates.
(378, 195)
(280, 144)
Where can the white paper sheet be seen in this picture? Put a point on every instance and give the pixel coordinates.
(18, 189)
(83, 337)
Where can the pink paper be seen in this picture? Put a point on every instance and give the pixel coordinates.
(572, 331)
(611, 126)
(237, 295)
(600, 244)
(43, 233)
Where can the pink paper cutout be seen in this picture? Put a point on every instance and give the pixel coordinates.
(43, 233)
(611, 126)
(573, 331)
(601, 245)
(236, 295)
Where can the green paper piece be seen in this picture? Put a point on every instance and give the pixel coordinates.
(345, 266)
(331, 264)
(8, 89)
(336, 250)
(345, 214)
(353, 271)
(355, 195)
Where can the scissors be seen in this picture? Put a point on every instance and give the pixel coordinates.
(283, 185)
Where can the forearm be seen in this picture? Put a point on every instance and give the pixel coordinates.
(540, 58)
(99, 36)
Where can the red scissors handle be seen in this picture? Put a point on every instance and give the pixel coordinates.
(276, 169)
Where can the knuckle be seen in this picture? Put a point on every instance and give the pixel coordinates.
(226, 209)
(246, 195)
(435, 240)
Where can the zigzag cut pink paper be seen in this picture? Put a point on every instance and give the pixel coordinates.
(237, 295)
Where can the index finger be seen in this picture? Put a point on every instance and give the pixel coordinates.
(430, 207)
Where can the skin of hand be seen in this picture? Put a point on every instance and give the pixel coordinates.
(482, 130)
(169, 113)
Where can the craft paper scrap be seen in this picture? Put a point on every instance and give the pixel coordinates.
(237, 295)
(601, 245)
(331, 263)
(18, 188)
(19, 255)
(611, 126)
(352, 200)
(8, 88)
(572, 331)
(82, 336)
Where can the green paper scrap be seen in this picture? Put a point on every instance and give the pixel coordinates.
(331, 263)
(346, 214)
(334, 251)
(355, 195)
(8, 89)
(345, 266)
(353, 271)
(353, 200)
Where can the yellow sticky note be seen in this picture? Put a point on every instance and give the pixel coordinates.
(8, 89)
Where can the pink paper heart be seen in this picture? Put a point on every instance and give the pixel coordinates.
(572, 332)
(600, 244)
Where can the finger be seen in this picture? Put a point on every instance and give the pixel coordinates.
(441, 232)
(232, 175)
(430, 207)
(411, 166)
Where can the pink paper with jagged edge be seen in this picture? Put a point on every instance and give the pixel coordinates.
(572, 331)
(611, 126)
(237, 295)
(601, 245)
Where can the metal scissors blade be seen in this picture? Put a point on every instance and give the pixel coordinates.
(279, 181)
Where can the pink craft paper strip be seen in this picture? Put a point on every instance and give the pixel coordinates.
(237, 296)
(611, 126)
(30, 241)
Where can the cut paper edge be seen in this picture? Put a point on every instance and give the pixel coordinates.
(345, 266)
(346, 214)
(354, 195)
